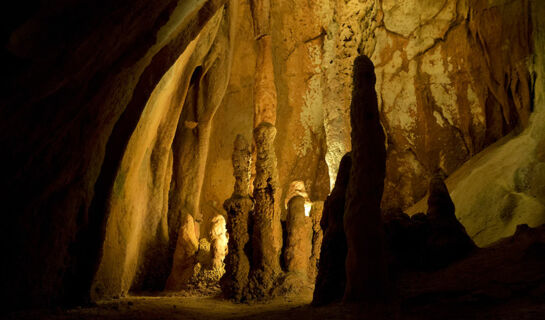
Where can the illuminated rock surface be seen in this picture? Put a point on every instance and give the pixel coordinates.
(117, 121)
(238, 207)
(265, 264)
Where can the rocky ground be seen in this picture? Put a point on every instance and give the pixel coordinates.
(201, 307)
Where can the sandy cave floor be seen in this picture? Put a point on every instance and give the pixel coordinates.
(294, 307)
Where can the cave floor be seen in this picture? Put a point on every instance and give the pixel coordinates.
(295, 307)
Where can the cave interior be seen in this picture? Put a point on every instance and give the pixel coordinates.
(241, 159)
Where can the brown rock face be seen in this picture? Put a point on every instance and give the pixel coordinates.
(366, 268)
(83, 83)
(317, 237)
(299, 238)
(185, 256)
(265, 266)
(238, 207)
(331, 278)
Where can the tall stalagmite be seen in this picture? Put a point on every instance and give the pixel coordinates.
(266, 237)
(238, 207)
(366, 268)
(266, 254)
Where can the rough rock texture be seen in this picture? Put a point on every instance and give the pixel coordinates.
(317, 237)
(238, 207)
(88, 155)
(80, 78)
(502, 186)
(297, 34)
(185, 256)
(331, 278)
(452, 78)
(218, 243)
(265, 265)
(139, 245)
(366, 268)
(298, 246)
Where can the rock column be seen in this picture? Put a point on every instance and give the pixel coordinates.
(185, 255)
(366, 267)
(238, 207)
(299, 238)
(266, 253)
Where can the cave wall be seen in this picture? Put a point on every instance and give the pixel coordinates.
(81, 75)
(98, 175)
(452, 78)
(504, 185)
(297, 37)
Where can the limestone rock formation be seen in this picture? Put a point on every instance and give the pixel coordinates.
(427, 242)
(317, 237)
(78, 88)
(265, 265)
(218, 242)
(185, 256)
(366, 268)
(299, 238)
(238, 207)
(452, 78)
(448, 240)
(331, 278)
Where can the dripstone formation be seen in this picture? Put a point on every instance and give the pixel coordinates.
(366, 267)
(299, 238)
(331, 278)
(427, 242)
(238, 207)
(265, 266)
(448, 240)
(185, 255)
(317, 237)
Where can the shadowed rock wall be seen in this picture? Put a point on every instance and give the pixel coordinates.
(81, 75)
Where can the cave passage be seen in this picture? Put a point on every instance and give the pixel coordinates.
(225, 159)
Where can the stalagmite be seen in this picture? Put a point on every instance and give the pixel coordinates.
(185, 255)
(218, 242)
(238, 207)
(448, 240)
(366, 268)
(331, 278)
(299, 238)
(265, 252)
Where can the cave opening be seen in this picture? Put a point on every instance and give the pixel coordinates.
(220, 159)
